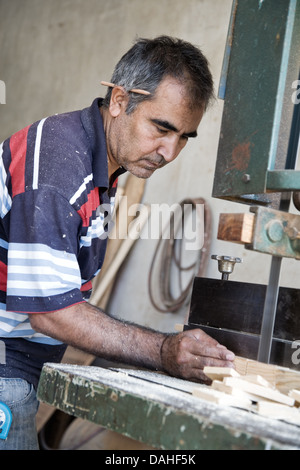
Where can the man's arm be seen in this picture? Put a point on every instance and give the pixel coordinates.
(90, 329)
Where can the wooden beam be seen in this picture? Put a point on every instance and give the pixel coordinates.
(237, 228)
(135, 228)
(133, 193)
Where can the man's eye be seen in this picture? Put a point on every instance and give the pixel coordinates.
(161, 131)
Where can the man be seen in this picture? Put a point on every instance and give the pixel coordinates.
(59, 175)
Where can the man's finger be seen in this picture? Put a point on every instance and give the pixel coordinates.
(207, 350)
(199, 362)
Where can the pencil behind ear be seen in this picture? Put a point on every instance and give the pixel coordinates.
(133, 90)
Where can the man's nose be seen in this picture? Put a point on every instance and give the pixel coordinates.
(171, 147)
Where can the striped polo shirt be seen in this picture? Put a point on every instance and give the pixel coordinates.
(56, 206)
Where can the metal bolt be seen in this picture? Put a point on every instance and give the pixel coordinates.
(296, 200)
(226, 265)
(246, 178)
(275, 231)
(293, 233)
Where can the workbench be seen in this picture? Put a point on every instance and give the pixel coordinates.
(159, 410)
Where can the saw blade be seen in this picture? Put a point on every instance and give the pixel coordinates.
(269, 314)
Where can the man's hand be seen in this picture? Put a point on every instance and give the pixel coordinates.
(186, 354)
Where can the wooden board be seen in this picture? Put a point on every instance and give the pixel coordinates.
(132, 194)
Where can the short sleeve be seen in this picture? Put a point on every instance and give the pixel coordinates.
(43, 274)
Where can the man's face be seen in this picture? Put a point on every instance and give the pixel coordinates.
(155, 133)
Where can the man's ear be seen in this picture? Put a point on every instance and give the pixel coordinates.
(118, 101)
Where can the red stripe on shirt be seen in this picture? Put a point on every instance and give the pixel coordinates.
(18, 147)
(3, 276)
(91, 205)
(87, 286)
(115, 183)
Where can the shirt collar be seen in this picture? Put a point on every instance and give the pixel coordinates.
(93, 125)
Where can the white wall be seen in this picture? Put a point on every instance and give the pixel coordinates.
(53, 55)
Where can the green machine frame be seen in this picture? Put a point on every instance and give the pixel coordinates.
(261, 119)
(259, 138)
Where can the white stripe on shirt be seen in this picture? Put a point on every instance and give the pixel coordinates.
(81, 189)
(5, 201)
(37, 147)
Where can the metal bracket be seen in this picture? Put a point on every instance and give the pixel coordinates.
(276, 233)
(260, 126)
(283, 180)
(265, 230)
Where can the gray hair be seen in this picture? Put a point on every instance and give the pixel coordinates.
(149, 61)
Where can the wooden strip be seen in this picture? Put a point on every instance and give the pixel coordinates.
(179, 327)
(259, 391)
(215, 396)
(279, 411)
(221, 387)
(218, 373)
(295, 394)
(258, 380)
(282, 378)
(240, 364)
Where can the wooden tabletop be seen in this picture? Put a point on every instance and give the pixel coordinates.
(159, 410)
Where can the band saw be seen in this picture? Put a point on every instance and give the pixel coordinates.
(256, 166)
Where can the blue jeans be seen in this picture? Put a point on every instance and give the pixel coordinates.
(20, 397)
